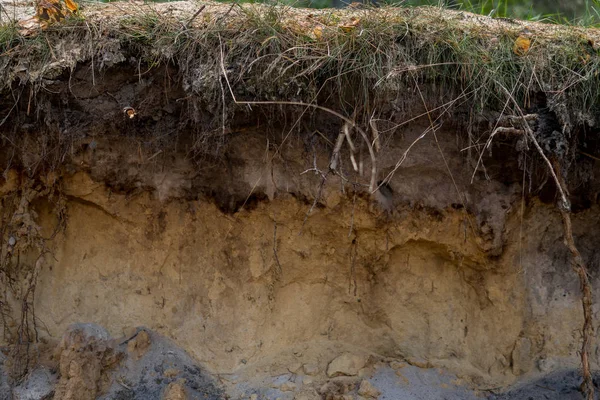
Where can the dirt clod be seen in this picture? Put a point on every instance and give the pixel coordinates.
(346, 364)
(138, 346)
(366, 389)
(175, 391)
(86, 358)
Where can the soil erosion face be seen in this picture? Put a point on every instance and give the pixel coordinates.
(220, 255)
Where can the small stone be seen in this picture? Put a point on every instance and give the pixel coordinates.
(308, 380)
(311, 369)
(326, 388)
(175, 391)
(419, 362)
(546, 365)
(308, 395)
(294, 368)
(346, 364)
(288, 387)
(366, 389)
(138, 346)
(397, 365)
(253, 397)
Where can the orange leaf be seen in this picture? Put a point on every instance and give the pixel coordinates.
(71, 6)
(49, 11)
(521, 46)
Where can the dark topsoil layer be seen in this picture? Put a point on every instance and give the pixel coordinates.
(194, 80)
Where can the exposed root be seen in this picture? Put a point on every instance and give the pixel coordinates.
(577, 262)
(587, 386)
(20, 238)
(580, 268)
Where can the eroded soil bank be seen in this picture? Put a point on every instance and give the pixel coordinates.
(279, 277)
(220, 256)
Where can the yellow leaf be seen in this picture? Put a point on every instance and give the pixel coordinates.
(521, 46)
(318, 32)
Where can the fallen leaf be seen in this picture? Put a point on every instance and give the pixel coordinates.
(28, 26)
(49, 11)
(71, 6)
(318, 32)
(351, 25)
(521, 46)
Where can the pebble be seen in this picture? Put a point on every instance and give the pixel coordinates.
(346, 364)
(366, 389)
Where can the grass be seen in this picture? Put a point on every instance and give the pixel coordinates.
(273, 53)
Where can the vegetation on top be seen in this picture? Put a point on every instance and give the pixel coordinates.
(355, 61)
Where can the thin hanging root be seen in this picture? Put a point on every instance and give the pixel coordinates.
(354, 164)
(335, 155)
(351, 123)
(346, 130)
(587, 386)
(375, 131)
